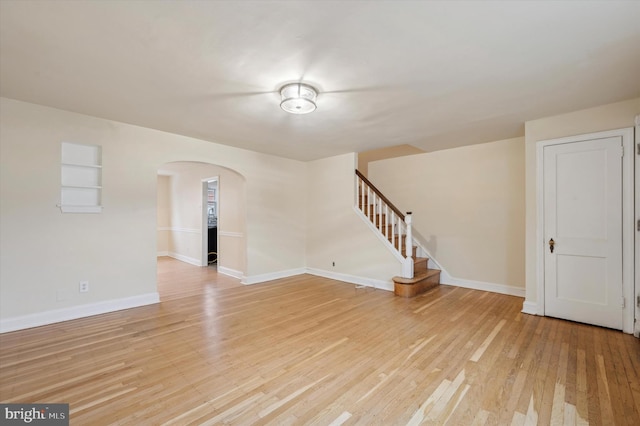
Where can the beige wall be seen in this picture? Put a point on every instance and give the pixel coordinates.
(468, 207)
(366, 157)
(468, 204)
(164, 215)
(606, 117)
(46, 253)
(186, 189)
(335, 232)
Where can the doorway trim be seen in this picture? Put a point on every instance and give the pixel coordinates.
(636, 299)
(205, 224)
(628, 218)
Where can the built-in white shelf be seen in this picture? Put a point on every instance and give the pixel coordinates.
(81, 178)
(93, 166)
(80, 209)
(83, 186)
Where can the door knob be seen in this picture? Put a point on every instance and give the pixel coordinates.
(551, 244)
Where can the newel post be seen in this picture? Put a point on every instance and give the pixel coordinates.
(407, 267)
(409, 242)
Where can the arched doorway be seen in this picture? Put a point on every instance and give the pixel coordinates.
(184, 221)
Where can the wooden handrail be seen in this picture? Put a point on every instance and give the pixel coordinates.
(379, 194)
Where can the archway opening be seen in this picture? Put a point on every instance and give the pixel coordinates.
(196, 202)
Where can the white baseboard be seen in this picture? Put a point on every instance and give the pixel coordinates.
(369, 282)
(530, 308)
(186, 259)
(75, 312)
(230, 272)
(256, 279)
(163, 253)
(447, 279)
(481, 285)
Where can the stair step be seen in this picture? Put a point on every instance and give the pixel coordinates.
(394, 241)
(414, 252)
(378, 219)
(420, 283)
(429, 273)
(394, 238)
(420, 264)
(389, 230)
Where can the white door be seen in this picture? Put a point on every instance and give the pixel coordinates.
(583, 231)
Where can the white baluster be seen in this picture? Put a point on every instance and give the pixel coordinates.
(386, 220)
(375, 210)
(407, 267)
(393, 227)
(376, 203)
(399, 227)
(409, 240)
(368, 201)
(364, 196)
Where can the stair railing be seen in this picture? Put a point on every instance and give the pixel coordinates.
(387, 219)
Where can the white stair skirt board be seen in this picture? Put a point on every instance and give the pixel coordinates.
(256, 279)
(368, 282)
(75, 312)
(186, 259)
(530, 308)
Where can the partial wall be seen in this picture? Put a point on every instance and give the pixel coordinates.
(340, 245)
(164, 215)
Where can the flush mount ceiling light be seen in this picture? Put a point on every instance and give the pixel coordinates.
(298, 98)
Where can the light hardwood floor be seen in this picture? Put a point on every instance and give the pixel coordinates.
(308, 350)
(179, 279)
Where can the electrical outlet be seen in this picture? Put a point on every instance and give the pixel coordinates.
(84, 286)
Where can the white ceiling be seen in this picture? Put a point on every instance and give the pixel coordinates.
(427, 73)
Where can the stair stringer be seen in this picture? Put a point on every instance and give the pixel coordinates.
(418, 241)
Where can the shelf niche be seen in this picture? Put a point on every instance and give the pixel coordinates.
(81, 178)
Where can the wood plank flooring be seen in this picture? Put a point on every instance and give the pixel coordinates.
(308, 350)
(179, 279)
